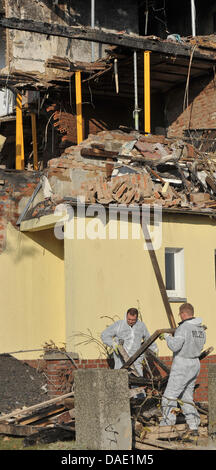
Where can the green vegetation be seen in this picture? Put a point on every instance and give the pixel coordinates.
(16, 443)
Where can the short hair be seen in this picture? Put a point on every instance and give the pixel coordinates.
(188, 308)
(132, 311)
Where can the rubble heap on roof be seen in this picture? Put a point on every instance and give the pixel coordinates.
(131, 168)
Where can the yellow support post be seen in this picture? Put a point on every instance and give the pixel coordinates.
(147, 99)
(79, 106)
(20, 163)
(34, 141)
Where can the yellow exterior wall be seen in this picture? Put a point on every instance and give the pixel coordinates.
(106, 277)
(32, 295)
(45, 298)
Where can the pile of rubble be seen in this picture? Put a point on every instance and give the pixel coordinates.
(20, 384)
(131, 168)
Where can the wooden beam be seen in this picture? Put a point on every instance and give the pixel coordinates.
(43, 404)
(34, 141)
(158, 361)
(146, 345)
(125, 358)
(79, 106)
(41, 415)
(106, 37)
(158, 274)
(20, 164)
(18, 430)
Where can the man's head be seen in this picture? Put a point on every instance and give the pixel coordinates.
(132, 316)
(186, 311)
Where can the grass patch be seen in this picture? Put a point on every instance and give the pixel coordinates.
(16, 443)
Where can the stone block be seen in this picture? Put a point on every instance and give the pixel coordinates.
(212, 399)
(102, 409)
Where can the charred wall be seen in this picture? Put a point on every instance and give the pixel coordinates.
(28, 52)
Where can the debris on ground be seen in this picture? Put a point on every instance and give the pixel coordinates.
(52, 420)
(47, 421)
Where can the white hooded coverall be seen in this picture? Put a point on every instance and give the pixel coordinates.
(186, 344)
(132, 337)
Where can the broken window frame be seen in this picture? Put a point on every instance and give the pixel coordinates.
(177, 293)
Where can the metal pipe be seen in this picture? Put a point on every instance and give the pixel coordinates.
(34, 141)
(92, 26)
(136, 109)
(193, 17)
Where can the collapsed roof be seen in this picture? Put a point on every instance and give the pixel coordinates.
(130, 168)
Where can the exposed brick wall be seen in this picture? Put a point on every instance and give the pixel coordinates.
(201, 392)
(94, 118)
(201, 112)
(59, 373)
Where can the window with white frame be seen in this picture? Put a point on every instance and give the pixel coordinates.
(174, 273)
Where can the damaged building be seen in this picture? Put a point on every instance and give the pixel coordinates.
(107, 175)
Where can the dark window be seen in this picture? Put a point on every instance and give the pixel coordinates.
(170, 270)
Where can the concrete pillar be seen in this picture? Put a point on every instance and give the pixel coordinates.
(212, 399)
(102, 409)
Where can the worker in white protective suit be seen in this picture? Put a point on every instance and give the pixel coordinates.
(186, 344)
(131, 332)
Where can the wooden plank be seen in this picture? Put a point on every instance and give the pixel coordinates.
(211, 183)
(24, 411)
(166, 432)
(146, 444)
(146, 345)
(141, 381)
(158, 361)
(125, 357)
(106, 37)
(40, 416)
(17, 430)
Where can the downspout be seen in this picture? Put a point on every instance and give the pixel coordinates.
(193, 17)
(92, 26)
(136, 109)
